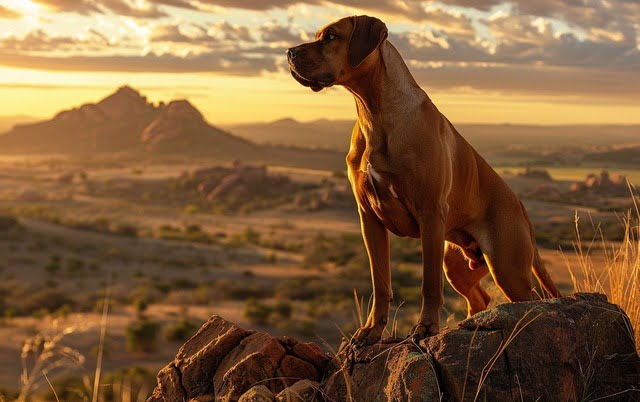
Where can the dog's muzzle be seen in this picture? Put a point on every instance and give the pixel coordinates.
(293, 59)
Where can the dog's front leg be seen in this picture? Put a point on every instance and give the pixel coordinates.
(432, 228)
(376, 240)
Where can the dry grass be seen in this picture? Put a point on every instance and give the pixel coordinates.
(620, 278)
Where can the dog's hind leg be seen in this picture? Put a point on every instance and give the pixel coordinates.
(509, 255)
(465, 280)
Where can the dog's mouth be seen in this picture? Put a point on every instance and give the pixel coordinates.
(315, 86)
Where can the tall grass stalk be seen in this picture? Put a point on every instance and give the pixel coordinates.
(103, 332)
(619, 279)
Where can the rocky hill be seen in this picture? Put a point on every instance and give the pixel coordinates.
(111, 125)
(574, 348)
(181, 127)
(126, 122)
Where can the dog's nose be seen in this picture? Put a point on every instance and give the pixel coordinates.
(292, 53)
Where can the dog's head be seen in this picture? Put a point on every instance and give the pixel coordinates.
(338, 50)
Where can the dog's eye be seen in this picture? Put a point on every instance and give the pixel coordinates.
(329, 37)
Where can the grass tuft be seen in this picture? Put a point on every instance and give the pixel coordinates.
(620, 279)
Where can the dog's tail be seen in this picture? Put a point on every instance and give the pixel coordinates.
(539, 269)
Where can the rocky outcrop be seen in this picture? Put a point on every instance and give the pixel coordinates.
(225, 361)
(604, 184)
(574, 348)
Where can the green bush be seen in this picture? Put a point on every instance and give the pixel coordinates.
(49, 300)
(140, 305)
(181, 330)
(191, 209)
(7, 223)
(142, 335)
(74, 266)
(257, 312)
(54, 264)
(283, 308)
(338, 250)
(248, 236)
(125, 229)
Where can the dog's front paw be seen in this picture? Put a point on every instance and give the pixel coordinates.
(367, 335)
(421, 331)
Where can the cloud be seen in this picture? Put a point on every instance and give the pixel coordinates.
(71, 6)
(169, 33)
(576, 47)
(219, 62)
(8, 13)
(142, 9)
(40, 41)
(623, 86)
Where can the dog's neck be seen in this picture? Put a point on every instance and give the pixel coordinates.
(385, 91)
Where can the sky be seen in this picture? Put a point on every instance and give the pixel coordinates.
(480, 61)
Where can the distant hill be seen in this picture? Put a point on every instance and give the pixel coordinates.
(327, 134)
(122, 122)
(486, 138)
(8, 122)
(627, 156)
(125, 122)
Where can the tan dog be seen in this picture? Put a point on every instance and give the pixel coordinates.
(414, 175)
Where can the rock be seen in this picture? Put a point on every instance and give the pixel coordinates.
(259, 393)
(255, 360)
(572, 348)
(178, 119)
(191, 373)
(561, 349)
(384, 372)
(301, 391)
(309, 352)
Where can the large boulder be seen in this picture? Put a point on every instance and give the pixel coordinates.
(574, 348)
(222, 362)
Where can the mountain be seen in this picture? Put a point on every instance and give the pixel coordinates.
(111, 125)
(180, 127)
(125, 122)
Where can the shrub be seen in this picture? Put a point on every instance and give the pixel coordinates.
(74, 266)
(140, 305)
(7, 223)
(257, 312)
(48, 300)
(181, 330)
(191, 209)
(283, 309)
(271, 258)
(125, 229)
(248, 236)
(54, 264)
(142, 335)
(337, 250)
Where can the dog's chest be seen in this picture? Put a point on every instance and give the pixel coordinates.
(378, 191)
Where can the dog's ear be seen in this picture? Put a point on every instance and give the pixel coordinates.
(367, 34)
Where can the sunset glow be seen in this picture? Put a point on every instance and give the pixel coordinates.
(492, 62)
